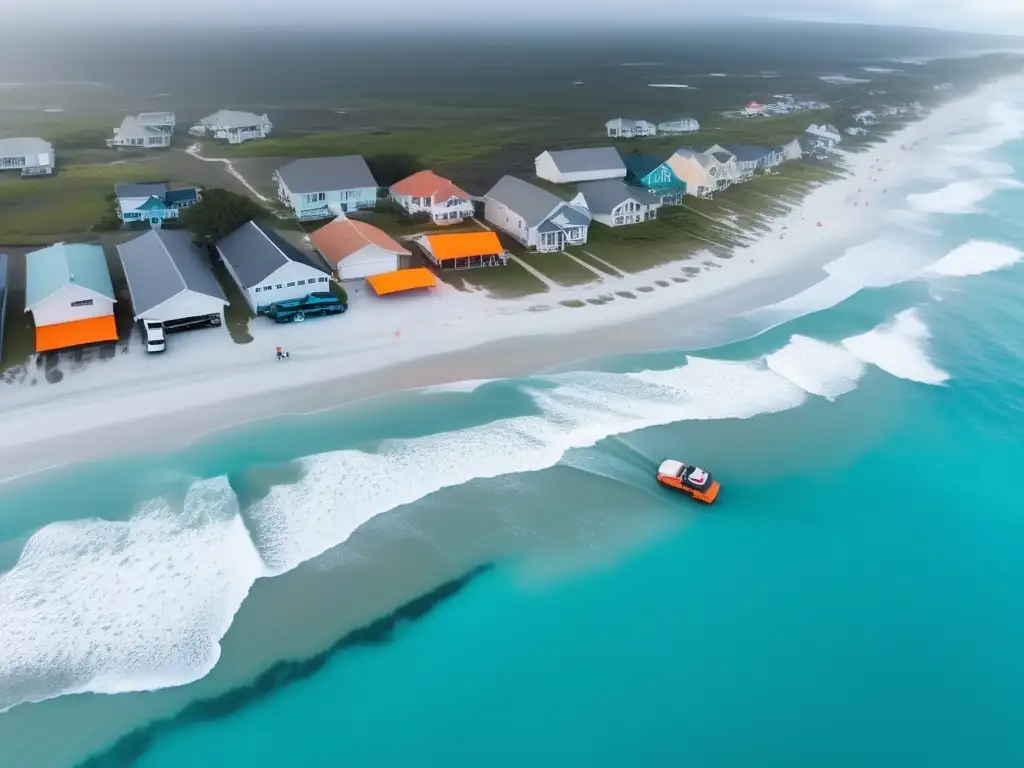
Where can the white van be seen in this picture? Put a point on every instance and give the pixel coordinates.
(153, 335)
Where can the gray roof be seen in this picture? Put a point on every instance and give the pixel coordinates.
(705, 161)
(231, 118)
(161, 264)
(3, 275)
(24, 146)
(602, 196)
(255, 252)
(132, 126)
(532, 203)
(590, 159)
(327, 174)
(140, 190)
(746, 153)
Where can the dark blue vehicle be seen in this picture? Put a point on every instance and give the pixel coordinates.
(296, 310)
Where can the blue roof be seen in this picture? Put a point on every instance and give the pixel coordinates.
(746, 153)
(61, 265)
(174, 196)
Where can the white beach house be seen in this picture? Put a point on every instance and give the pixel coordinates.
(824, 136)
(267, 268)
(426, 192)
(615, 203)
(170, 280)
(233, 126)
(534, 216)
(147, 130)
(29, 155)
(680, 126)
(569, 166)
(325, 187)
(624, 128)
(792, 150)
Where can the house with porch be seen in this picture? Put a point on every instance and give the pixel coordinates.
(569, 166)
(152, 203)
(680, 126)
(147, 130)
(233, 126)
(825, 137)
(357, 250)
(624, 128)
(729, 169)
(70, 296)
(615, 203)
(268, 268)
(464, 250)
(326, 187)
(29, 155)
(751, 159)
(656, 177)
(440, 198)
(535, 217)
(702, 173)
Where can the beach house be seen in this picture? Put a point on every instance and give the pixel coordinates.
(615, 203)
(465, 250)
(570, 166)
(147, 130)
(656, 177)
(152, 203)
(792, 150)
(624, 128)
(70, 296)
(4, 264)
(356, 250)
(233, 126)
(680, 126)
(325, 187)
(267, 268)
(171, 281)
(824, 137)
(29, 155)
(702, 173)
(440, 198)
(750, 159)
(534, 216)
(754, 109)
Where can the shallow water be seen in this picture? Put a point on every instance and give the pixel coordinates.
(849, 602)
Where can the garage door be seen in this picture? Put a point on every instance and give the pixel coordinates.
(350, 269)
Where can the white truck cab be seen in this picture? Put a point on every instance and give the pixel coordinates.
(153, 335)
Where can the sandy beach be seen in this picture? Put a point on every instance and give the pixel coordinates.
(205, 382)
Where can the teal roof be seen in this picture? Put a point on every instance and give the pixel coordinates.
(152, 204)
(60, 265)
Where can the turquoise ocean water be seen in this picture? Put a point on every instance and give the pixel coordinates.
(852, 600)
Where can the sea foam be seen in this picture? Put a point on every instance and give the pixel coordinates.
(975, 258)
(142, 604)
(898, 348)
(109, 607)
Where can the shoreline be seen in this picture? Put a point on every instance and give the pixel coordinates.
(206, 384)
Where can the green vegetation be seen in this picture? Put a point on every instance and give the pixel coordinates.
(237, 314)
(508, 282)
(560, 268)
(218, 214)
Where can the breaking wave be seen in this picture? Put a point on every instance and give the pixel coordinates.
(143, 604)
(975, 258)
(959, 196)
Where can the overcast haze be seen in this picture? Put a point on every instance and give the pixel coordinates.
(993, 16)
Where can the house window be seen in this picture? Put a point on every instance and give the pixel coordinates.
(323, 279)
(301, 282)
(315, 197)
(82, 303)
(291, 285)
(279, 286)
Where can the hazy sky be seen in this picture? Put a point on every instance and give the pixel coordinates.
(998, 16)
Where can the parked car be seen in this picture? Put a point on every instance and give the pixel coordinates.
(153, 335)
(315, 304)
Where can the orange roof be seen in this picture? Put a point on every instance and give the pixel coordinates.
(459, 246)
(402, 280)
(343, 237)
(428, 184)
(75, 333)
